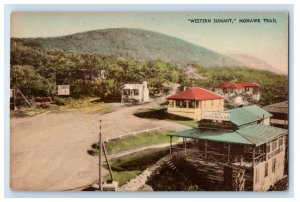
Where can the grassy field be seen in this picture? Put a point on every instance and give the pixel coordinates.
(189, 123)
(160, 112)
(122, 177)
(130, 166)
(134, 142)
(86, 105)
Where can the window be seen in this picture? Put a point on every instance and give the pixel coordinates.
(126, 92)
(268, 148)
(266, 169)
(135, 91)
(274, 165)
(212, 103)
(281, 141)
(178, 103)
(274, 145)
(191, 104)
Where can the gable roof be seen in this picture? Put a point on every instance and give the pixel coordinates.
(238, 85)
(248, 84)
(281, 107)
(256, 135)
(248, 114)
(230, 85)
(195, 93)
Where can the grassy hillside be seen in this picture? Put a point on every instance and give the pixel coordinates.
(136, 44)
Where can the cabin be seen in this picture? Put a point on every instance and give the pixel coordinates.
(252, 90)
(236, 150)
(192, 102)
(239, 93)
(135, 93)
(232, 92)
(280, 114)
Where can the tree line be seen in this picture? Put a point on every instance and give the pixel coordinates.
(37, 72)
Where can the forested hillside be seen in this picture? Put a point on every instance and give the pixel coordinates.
(135, 44)
(37, 71)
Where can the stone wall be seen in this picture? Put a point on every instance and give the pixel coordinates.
(139, 183)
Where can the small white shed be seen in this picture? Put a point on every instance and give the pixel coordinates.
(135, 93)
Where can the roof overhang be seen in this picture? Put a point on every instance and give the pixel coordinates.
(254, 135)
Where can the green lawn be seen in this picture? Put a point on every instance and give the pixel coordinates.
(84, 105)
(123, 176)
(134, 142)
(130, 166)
(189, 123)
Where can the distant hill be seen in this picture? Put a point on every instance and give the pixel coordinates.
(253, 62)
(134, 43)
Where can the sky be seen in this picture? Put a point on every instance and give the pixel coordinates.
(265, 40)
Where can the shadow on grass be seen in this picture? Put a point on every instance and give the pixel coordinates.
(159, 113)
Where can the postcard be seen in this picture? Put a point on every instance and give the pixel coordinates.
(149, 101)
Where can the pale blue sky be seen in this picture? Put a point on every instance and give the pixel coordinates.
(267, 41)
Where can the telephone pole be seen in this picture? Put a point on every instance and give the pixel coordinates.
(100, 159)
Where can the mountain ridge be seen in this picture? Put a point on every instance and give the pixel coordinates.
(134, 43)
(257, 63)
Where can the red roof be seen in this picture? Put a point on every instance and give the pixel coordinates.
(237, 85)
(229, 85)
(248, 84)
(195, 94)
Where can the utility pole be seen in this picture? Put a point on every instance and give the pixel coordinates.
(100, 159)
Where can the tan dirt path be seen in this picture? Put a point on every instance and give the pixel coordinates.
(49, 151)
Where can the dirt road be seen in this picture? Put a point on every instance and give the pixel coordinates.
(49, 151)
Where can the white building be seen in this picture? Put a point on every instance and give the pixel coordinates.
(135, 93)
(239, 93)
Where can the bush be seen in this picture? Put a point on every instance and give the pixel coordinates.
(58, 101)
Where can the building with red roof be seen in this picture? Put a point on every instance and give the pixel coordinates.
(193, 101)
(238, 93)
(248, 84)
(230, 86)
